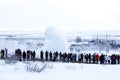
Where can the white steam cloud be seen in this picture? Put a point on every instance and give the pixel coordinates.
(55, 40)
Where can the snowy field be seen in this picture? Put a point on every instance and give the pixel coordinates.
(59, 71)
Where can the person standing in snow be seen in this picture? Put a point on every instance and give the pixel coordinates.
(33, 55)
(102, 59)
(28, 54)
(60, 56)
(93, 58)
(50, 56)
(6, 52)
(89, 58)
(74, 56)
(54, 56)
(41, 55)
(46, 55)
(86, 58)
(113, 59)
(64, 57)
(18, 54)
(24, 55)
(2, 54)
(106, 59)
(68, 57)
(79, 57)
(97, 58)
(109, 59)
(118, 59)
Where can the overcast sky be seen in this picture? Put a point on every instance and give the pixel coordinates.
(66, 15)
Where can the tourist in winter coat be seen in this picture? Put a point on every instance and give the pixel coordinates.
(97, 58)
(60, 56)
(102, 59)
(118, 59)
(28, 54)
(89, 58)
(46, 55)
(41, 55)
(68, 57)
(74, 56)
(109, 59)
(64, 57)
(6, 52)
(93, 56)
(106, 59)
(54, 56)
(24, 55)
(113, 59)
(79, 57)
(50, 56)
(2, 53)
(18, 54)
(33, 55)
(86, 57)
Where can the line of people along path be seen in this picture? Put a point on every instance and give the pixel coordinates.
(90, 58)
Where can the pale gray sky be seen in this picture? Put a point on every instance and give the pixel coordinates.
(66, 15)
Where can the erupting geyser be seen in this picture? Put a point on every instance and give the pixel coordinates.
(55, 41)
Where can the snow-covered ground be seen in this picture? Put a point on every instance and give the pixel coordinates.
(59, 71)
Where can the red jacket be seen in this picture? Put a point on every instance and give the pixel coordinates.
(97, 56)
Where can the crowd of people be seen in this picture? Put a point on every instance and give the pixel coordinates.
(90, 58)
